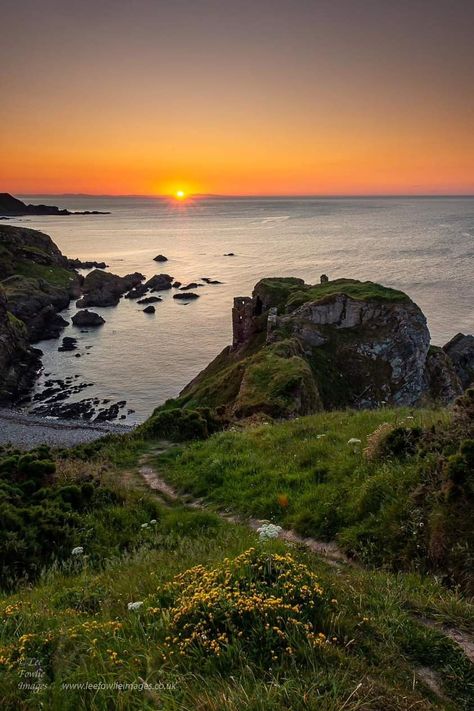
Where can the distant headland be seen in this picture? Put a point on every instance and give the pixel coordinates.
(12, 207)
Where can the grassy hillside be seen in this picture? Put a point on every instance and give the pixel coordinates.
(165, 606)
(379, 482)
(260, 644)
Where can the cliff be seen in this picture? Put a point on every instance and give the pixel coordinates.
(18, 361)
(12, 207)
(37, 280)
(300, 348)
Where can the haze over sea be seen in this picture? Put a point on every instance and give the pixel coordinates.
(423, 246)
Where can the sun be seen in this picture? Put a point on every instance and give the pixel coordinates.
(180, 195)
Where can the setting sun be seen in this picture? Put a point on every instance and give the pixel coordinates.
(180, 195)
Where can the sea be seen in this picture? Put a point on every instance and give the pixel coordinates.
(423, 246)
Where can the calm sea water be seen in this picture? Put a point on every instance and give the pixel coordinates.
(424, 246)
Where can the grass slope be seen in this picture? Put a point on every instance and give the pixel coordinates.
(226, 622)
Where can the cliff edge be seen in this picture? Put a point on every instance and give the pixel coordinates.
(300, 348)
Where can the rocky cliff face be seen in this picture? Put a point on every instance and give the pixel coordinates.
(37, 280)
(18, 361)
(299, 348)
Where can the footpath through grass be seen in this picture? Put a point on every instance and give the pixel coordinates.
(229, 635)
(310, 474)
(172, 608)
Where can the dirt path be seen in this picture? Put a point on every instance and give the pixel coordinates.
(156, 483)
(327, 550)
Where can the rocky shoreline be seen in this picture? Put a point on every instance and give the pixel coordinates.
(27, 431)
(37, 282)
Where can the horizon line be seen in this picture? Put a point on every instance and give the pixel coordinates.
(252, 195)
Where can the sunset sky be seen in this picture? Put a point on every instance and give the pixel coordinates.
(237, 96)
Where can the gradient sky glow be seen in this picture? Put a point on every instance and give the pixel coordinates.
(237, 96)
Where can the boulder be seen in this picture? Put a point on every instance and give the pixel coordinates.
(87, 319)
(149, 309)
(186, 297)
(105, 289)
(68, 344)
(191, 285)
(160, 258)
(159, 282)
(460, 350)
(137, 292)
(149, 300)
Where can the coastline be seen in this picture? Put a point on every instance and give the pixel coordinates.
(26, 431)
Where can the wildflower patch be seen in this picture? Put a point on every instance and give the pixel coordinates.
(263, 606)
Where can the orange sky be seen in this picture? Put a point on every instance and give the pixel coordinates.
(275, 97)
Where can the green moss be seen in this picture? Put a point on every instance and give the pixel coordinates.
(17, 325)
(57, 276)
(360, 290)
(277, 381)
(276, 290)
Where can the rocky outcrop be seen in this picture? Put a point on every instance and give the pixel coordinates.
(18, 361)
(86, 319)
(37, 280)
(379, 350)
(460, 350)
(11, 206)
(299, 348)
(105, 289)
(80, 264)
(160, 258)
(441, 379)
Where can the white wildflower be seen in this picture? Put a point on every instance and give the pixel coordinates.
(78, 550)
(135, 605)
(354, 440)
(144, 525)
(268, 531)
(320, 435)
(153, 522)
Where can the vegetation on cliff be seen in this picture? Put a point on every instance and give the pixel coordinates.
(301, 348)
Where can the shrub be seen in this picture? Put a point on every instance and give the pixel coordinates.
(259, 606)
(180, 425)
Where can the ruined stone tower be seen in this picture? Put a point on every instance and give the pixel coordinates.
(242, 319)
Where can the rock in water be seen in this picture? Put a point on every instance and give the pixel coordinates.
(87, 318)
(105, 289)
(80, 264)
(159, 282)
(160, 258)
(185, 297)
(149, 300)
(149, 309)
(68, 344)
(191, 285)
